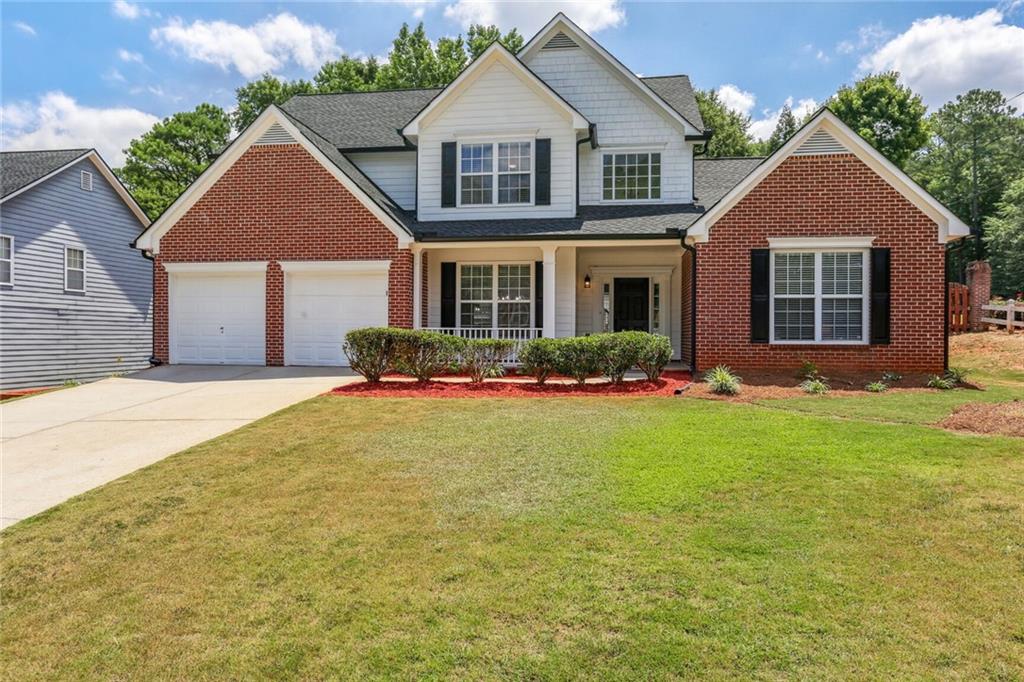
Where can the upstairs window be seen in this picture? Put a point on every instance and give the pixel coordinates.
(495, 173)
(6, 259)
(818, 297)
(74, 269)
(632, 176)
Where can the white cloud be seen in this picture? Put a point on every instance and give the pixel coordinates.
(265, 46)
(736, 99)
(761, 129)
(943, 56)
(57, 121)
(131, 10)
(126, 56)
(114, 75)
(25, 28)
(531, 15)
(418, 7)
(869, 37)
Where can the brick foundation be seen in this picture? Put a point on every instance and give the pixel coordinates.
(822, 196)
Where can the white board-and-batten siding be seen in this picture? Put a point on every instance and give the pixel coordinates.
(624, 120)
(49, 335)
(393, 172)
(499, 106)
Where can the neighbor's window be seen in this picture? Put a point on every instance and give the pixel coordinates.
(74, 269)
(632, 176)
(6, 259)
(479, 174)
(818, 296)
(495, 295)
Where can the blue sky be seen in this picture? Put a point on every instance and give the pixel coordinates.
(101, 73)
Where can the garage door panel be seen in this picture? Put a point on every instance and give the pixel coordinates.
(218, 319)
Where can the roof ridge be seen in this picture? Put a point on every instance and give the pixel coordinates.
(667, 75)
(364, 92)
(730, 158)
(44, 151)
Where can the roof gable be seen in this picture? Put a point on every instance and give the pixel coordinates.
(826, 133)
(494, 55)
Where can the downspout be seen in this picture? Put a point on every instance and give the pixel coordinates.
(693, 299)
(592, 139)
(153, 360)
(693, 162)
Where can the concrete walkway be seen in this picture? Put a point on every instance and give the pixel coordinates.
(60, 444)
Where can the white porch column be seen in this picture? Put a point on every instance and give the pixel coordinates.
(549, 291)
(417, 288)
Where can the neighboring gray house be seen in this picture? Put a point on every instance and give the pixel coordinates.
(75, 298)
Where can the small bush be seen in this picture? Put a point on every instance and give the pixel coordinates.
(424, 355)
(722, 381)
(539, 358)
(620, 352)
(808, 370)
(69, 383)
(484, 358)
(877, 387)
(941, 383)
(655, 353)
(957, 375)
(370, 350)
(891, 377)
(815, 386)
(580, 357)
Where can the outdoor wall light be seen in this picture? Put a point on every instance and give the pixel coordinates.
(586, 281)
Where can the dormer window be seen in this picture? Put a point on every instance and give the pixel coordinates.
(496, 173)
(632, 176)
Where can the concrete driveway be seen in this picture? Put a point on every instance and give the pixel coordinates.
(57, 445)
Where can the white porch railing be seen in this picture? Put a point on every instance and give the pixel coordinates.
(518, 336)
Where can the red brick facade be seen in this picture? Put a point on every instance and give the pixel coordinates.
(822, 196)
(277, 203)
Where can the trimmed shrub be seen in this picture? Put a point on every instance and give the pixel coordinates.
(620, 352)
(371, 350)
(655, 353)
(815, 386)
(877, 387)
(424, 355)
(484, 358)
(941, 383)
(808, 370)
(580, 357)
(539, 357)
(722, 381)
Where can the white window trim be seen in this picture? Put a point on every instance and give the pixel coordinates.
(494, 142)
(819, 297)
(611, 151)
(494, 293)
(85, 269)
(10, 260)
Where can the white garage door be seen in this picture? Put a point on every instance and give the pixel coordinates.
(218, 319)
(321, 307)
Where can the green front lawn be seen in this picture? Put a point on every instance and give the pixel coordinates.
(538, 538)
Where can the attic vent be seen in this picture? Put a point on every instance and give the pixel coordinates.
(275, 134)
(820, 142)
(560, 42)
(86, 181)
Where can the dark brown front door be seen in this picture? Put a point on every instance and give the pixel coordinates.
(632, 300)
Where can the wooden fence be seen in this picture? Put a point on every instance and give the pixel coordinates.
(1009, 311)
(959, 307)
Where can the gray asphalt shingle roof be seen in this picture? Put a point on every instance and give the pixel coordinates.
(714, 177)
(678, 94)
(18, 169)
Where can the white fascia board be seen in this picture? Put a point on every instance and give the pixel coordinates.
(949, 226)
(104, 170)
(150, 239)
(563, 23)
(216, 268)
(798, 243)
(495, 53)
(336, 266)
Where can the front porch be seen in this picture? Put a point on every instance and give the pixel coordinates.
(521, 291)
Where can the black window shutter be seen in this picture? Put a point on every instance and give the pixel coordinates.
(538, 293)
(447, 294)
(448, 174)
(759, 293)
(543, 147)
(880, 299)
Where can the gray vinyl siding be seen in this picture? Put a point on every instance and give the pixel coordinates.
(48, 335)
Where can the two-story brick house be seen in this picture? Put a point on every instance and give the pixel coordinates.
(550, 192)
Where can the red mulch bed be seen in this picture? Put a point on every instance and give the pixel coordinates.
(669, 383)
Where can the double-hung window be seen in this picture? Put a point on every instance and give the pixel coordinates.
(495, 295)
(631, 176)
(819, 296)
(74, 269)
(6, 259)
(495, 173)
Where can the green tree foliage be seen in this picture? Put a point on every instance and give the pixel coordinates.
(784, 130)
(168, 158)
(886, 114)
(254, 97)
(412, 62)
(976, 149)
(479, 38)
(1004, 237)
(731, 136)
(347, 74)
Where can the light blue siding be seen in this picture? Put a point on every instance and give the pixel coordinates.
(49, 335)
